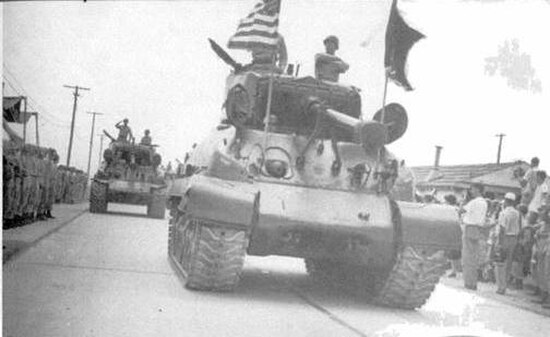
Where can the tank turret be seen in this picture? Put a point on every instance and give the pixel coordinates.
(305, 177)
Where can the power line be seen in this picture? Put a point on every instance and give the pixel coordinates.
(22, 92)
(46, 116)
(25, 93)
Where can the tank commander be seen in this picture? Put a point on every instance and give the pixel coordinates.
(262, 58)
(124, 131)
(328, 66)
(146, 139)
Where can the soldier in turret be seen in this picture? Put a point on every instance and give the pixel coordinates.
(124, 131)
(146, 139)
(328, 66)
(262, 57)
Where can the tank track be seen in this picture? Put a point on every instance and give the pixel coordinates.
(408, 285)
(412, 279)
(98, 198)
(207, 256)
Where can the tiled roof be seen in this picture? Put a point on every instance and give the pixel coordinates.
(490, 174)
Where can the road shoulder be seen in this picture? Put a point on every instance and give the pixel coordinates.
(517, 298)
(18, 239)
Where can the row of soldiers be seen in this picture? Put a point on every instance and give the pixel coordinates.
(33, 182)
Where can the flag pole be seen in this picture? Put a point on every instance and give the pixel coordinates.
(383, 115)
(269, 97)
(270, 86)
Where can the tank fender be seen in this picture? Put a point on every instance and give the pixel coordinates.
(224, 167)
(221, 202)
(430, 225)
(178, 187)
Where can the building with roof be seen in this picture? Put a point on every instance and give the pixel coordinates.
(440, 180)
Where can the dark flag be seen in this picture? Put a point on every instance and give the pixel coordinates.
(399, 40)
(12, 110)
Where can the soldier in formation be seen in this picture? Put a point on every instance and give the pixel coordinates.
(33, 182)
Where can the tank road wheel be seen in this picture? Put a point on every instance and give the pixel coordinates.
(208, 257)
(98, 197)
(157, 207)
(412, 279)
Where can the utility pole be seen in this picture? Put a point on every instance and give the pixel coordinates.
(500, 136)
(101, 136)
(24, 119)
(91, 139)
(76, 88)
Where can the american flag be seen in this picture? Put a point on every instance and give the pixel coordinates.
(259, 28)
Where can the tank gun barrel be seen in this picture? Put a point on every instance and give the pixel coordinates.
(370, 134)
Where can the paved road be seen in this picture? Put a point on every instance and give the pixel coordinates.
(108, 275)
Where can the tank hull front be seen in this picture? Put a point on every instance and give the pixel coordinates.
(307, 222)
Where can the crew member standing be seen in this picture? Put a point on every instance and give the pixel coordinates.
(124, 131)
(146, 139)
(328, 66)
(473, 219)
(262, 57)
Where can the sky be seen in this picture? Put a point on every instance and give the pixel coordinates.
(150, 61)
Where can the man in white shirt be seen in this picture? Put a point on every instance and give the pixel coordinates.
(473, 220)
(508, 229)
(541, 192)
(529, 182)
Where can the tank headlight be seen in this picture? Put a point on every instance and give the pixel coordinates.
(276, 168)
(238, 106)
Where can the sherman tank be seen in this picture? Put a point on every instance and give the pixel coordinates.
(309, 179)
(129, 175)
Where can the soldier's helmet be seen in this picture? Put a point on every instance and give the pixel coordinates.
(332, 38)
(125, 120)
(41, 152)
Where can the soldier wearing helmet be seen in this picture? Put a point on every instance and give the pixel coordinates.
(328, 66)
(262, 57)
(146, 139)
(124, 131)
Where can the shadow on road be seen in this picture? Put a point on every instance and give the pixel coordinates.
(276, 286)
